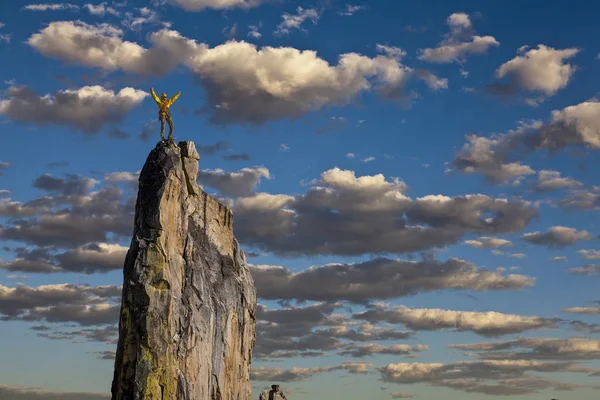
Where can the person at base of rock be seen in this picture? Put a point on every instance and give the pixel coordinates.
(276, 393)
(164, 112)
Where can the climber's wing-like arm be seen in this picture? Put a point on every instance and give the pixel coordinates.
(174, 98)
(154, 96)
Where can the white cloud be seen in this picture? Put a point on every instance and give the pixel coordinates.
(478, 155)
(551, 180)
(433, 81)
(253, 31)
(369, 349)
(296, 374)
(51, 7)
(144, 15)
(201, 5)
(542, 69)
(486, 242)
(101, 9)
(557, 236)
(243, 83)
(460, 42)
(590, 269)
(295, 21)
(350, 10)
(589, 254)
(373, 216)
(235, 184)
(483, 323)
(583, 310)
(540, 348)
(124, 176)
(488, 377)
(87, 108)
(494, 157)
(389, 279)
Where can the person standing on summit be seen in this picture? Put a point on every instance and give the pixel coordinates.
(164, 112)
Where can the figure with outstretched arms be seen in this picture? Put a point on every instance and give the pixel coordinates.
(164, 112)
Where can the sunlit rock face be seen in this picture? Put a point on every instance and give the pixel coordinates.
(187, 324)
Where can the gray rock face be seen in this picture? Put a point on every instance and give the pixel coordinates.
(187, 324)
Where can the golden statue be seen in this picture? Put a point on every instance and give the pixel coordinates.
(164, 112)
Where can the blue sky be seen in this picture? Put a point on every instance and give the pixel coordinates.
(432, 161)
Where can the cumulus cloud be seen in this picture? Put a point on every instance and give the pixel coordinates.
(51, 7)
(350, 10)
(460, 42)
(483, 323)
(253, 31)
(486, 242)
(479, 155)
(10, 208)
(68, 215)
(580, 200)
(495, 157)
(345, 214)
(81, 304)
(296, 374)
(582, 310)
(380, 278)
(142, 16)
(551, 180)
(94, 257)
(433, 81)
(369, 349)
(234, 184)
(108, 334)
(122, 176)
(201, 5)
(491, 377)
(243, 83)
(589, 254)
(537, 349)
(542, 70)
(289, 332)
(589, 269)
(101, 9)
(295, 21)
(70, 185)
(557, 236)
(88, 108)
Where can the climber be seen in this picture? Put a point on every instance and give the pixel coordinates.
(164, 112)
(276, 393)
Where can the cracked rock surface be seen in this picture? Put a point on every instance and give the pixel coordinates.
(187, 324)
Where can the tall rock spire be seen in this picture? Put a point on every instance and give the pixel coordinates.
(187, 324)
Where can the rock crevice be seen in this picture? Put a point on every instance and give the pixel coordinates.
(187, 324)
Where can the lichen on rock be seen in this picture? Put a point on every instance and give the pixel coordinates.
(187, 324)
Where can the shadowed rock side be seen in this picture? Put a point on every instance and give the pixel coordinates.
(187, 324)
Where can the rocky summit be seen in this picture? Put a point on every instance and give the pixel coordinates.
(187, 324)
